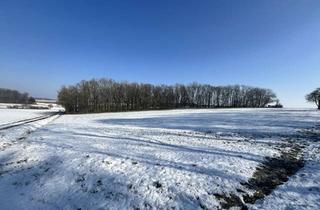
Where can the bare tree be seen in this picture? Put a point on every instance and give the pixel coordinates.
(106, 95)
(14, 96)
(314, 97)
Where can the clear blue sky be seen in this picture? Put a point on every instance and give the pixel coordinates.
(274, 44)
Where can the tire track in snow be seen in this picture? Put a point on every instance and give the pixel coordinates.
(26, 121)
(4, 145)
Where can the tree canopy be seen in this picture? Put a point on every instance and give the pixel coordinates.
(14, 96)
(314, 97)
(105, 95)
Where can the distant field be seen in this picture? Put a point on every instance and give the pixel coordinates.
(176, 159)
(13, 115)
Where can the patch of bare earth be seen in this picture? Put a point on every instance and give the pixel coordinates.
(273, 172)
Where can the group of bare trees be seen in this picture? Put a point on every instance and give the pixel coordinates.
(14, 96)
(107, 95)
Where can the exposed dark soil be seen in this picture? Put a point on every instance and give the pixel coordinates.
(232, 200)
(274, 172)
(270, 174)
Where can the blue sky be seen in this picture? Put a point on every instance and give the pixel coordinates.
(272, 44)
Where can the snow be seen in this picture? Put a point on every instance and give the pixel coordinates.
(152, 159)
(40, 106)
(302, 191)
(13, 115)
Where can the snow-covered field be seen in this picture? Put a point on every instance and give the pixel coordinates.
(176, 159)
(13, 115)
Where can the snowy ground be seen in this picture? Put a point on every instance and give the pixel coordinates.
(13, 115)
(39, 105)
(175, 159)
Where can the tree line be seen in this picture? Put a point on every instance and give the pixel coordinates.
(106, 95)
(14, 96)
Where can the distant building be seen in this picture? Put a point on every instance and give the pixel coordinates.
(276, 105)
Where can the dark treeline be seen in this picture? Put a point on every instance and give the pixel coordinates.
(14, 96)
(107, 95)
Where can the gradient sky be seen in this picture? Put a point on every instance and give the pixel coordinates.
(45, 44)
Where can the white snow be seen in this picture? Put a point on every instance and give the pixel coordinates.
(13, 115)
(302, 191)
(153, 159)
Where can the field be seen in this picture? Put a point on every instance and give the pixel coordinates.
(175, 159)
